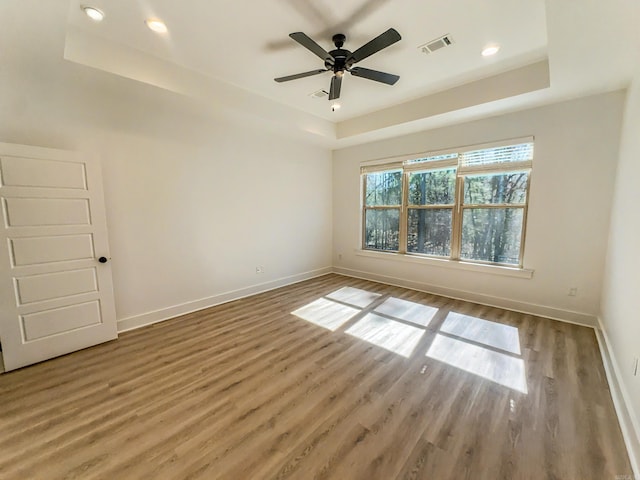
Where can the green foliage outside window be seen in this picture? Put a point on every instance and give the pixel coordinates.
(485, 224)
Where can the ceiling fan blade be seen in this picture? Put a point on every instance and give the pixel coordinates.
(311, 45)
(336, 83)
(375, 75)
(383, 40)
(299, 75)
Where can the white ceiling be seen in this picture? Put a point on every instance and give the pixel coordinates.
(247, 44)
(221, 56)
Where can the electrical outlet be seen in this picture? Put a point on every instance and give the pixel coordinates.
(573, 291)
(635, 367)
(259, 269)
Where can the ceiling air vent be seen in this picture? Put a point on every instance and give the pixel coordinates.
(436, 44)
(319, 94)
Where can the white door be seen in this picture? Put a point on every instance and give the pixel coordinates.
(56, 295)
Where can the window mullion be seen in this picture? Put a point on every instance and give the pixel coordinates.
(363, 230)
(494, 205)
(435, 206)
(523, 231)
(402, 241)
(456, 221)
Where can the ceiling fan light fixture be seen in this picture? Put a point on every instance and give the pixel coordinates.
(93, 13)
(490, 50)
(156, 25)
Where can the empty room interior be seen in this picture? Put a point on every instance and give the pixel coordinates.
(320, 239)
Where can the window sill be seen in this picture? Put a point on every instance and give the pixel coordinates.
(444, 263)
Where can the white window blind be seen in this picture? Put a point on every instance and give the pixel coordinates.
(383, 167)
(433, 158)
(511, 153)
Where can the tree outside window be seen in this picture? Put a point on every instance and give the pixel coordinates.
(469, 205)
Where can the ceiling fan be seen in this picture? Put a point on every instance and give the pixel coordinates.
(340, 60)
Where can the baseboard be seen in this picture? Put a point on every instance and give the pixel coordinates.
(569, 316)
(628, 422)
(137, 321)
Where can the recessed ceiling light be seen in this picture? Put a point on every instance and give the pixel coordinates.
(490, 50)
(93, 13)
(156, 25)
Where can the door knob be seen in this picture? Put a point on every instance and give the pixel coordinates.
(102, 259)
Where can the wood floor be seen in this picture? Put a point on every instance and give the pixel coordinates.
(248, 390)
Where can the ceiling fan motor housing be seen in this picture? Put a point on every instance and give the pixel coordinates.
(340, 62)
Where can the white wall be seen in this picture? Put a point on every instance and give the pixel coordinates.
(576, 149)
(196, 198)
(620, 313)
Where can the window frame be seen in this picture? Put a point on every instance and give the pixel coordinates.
(366, 207)
(411, 164)
(422, 168)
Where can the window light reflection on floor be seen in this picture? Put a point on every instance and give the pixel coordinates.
(354, 296)
(411, 312)
(385, 327)
(326, 314)
(386, 333)
(498, 367)
(497, 335)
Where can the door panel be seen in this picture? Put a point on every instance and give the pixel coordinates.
(59, 320)
(58, 248)
(38, 212)
(55, 296)
(36, 288)
(30, 172)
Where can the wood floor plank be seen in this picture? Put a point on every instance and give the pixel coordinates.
(248, 390)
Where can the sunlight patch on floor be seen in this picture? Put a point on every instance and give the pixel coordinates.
(388, 334)
(497, 335)
(408, 311)
(499, 368)
(326, 314)
(354, 296)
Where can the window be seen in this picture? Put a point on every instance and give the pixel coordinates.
(382, 207)
(469, 204)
